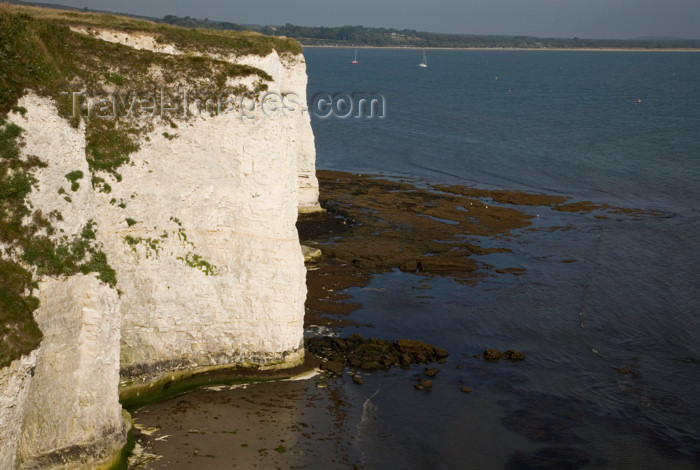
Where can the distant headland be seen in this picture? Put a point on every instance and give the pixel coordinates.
(361, 36)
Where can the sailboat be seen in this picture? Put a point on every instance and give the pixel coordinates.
(425, 61)
(355, 60)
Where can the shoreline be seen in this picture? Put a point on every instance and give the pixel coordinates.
(279, 424)
(301, 423)
(529, 49)
(357, 234)
(169, 385)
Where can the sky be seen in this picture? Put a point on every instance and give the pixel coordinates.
(610, 19)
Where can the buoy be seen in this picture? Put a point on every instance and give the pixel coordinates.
(639, 100)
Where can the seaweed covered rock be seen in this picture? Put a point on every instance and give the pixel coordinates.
(493, 354)
(374, 353)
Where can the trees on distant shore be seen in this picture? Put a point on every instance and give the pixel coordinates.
(387, 37)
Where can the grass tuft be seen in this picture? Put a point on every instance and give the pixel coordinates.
(73, 177)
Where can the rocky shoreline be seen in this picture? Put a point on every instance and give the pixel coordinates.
(373, 225)
(370, 226)
(371, 354)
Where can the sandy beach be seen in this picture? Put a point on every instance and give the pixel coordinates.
(285, 424)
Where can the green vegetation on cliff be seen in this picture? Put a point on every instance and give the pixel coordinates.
(40, 52)
(29, 249)
(197, 37)
(43, 54)
(18, 332)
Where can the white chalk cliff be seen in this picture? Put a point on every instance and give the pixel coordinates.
(209, 268)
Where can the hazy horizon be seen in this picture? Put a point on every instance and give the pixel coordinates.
(613, 19)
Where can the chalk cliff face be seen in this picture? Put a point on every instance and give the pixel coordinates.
(72, 413)
(200, 231)
(289, 77)
(222, 278)
(14, 387)
(224, 191)
(66, 410)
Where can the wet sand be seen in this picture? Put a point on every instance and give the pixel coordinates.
(274, 425)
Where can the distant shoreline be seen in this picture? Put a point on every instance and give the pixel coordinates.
(533, 49)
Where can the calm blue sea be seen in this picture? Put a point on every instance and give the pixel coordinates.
(613, 127)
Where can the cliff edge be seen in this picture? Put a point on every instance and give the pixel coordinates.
(151, 180)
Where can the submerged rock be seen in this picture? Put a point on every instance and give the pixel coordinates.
(424, 385)
(334, 367)
(493, 354)
(513, 355)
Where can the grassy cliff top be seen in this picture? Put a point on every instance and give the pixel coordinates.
(39, 51)
(191, 39)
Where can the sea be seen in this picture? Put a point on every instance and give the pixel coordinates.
(612, 374)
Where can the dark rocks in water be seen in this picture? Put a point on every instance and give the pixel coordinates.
(420, 351)
(373, 353)
(513, 355)
(340, 344)
(493, 354)
(466, 389)
(424, 385)
(334, 367)
(430, 372)
(358, 379)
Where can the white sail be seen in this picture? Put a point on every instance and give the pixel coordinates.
(425, 61)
